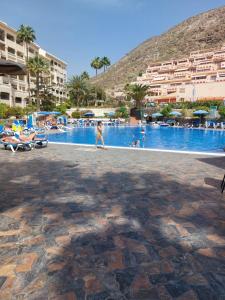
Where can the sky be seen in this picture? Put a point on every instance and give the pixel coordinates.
(79, 30)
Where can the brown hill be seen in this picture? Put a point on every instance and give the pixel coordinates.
(204, 31)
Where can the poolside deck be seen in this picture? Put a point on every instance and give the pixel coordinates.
(79, 223)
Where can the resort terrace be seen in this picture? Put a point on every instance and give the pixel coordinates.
(80, 223)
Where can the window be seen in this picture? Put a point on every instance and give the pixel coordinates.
(10, 37)
(18, 100)
(199, 78)
(11, 51)
(2, 35)
(19, 54)
(19, 42)
(31, 50)
(5, 80)
(22, 88)
(2, 47)
(4, 96)
(21, 77)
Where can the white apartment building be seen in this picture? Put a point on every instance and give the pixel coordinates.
(13, 89)
(201, 76)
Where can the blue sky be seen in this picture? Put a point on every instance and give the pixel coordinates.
(79, 30)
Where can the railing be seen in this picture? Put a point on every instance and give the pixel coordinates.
(5, 80)
(11, 56)
(2, 55)
(20, 60)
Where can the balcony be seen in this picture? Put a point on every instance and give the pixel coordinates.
(180, 76)
(171, 90)
(168, 67)
(2, 54)
(20, 60)
(159, 78)
(11, 56)
(219, 57)
(2, 36)
(5, 80)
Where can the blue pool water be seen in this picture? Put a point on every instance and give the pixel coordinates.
(168, 138)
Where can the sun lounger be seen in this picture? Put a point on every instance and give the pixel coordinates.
(40, 142)
(15, 146)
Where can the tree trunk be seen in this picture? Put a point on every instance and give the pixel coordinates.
(12, 92)
(96, 70)
(78, 102)
(28, 76)
(37, 92)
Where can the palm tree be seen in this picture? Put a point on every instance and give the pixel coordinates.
(105, 62)
(78, 89)
(38, 66)
(137, 92)
(96, 64)
(26, 34)
(85, 75)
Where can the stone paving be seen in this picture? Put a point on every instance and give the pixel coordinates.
(78, 223)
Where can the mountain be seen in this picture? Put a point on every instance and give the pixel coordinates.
(204, 31)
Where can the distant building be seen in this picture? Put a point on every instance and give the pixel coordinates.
(13, 89)
(199, 77)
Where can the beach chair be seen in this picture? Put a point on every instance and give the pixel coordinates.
(15, 146)
(40, 142)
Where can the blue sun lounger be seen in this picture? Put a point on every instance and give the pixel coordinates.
(14, 146)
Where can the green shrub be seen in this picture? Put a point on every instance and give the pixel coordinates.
(3, 110)
(48, 105)
(14, 111)
(166, 111)
(76, 114)
(62, 108)
(222, 111)
(122, 112)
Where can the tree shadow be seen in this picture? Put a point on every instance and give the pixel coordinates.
(213, 182)
(218, 162)
(112, 235)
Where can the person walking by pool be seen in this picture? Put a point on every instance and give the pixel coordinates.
(99, 134)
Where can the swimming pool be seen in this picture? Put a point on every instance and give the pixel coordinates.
(165, 138)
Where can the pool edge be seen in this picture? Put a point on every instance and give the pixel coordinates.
(144, 149)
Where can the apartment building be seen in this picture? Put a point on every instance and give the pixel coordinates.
(13, 89)
(201, 76)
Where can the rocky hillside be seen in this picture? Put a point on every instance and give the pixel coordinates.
(203, 31)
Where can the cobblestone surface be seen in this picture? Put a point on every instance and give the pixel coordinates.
(78, 223)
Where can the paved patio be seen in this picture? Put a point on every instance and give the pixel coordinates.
(79, 223)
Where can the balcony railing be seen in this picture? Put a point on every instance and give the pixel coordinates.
(11, 57)
(5, 80)
(20, 60)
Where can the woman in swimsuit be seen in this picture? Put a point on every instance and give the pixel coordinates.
(99, 134)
